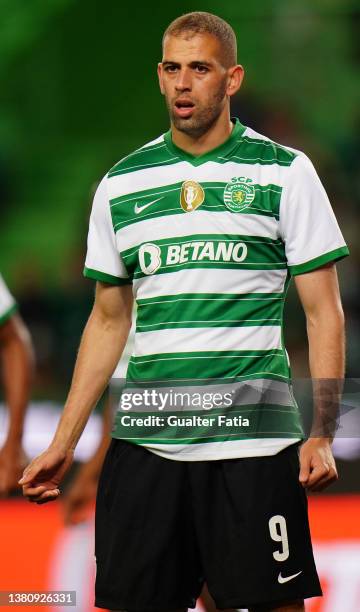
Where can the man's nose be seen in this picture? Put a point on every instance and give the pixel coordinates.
(183, 81)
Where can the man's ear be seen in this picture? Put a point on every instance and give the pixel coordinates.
(160, 76)
(235, 78)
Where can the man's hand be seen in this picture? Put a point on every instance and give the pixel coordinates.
(13, 460)
(41, 479)
(80, 497)
(317, 464)
(100, 349)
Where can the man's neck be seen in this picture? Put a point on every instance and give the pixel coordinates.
(214, 137)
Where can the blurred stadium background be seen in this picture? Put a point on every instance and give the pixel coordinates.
(79, 91)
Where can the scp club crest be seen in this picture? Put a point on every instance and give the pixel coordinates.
(239, 193)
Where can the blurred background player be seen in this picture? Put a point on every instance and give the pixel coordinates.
(17, 368)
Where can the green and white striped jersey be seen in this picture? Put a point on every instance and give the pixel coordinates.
(209, 244)
(7, 302)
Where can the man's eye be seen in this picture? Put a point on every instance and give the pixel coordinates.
(202, 69)
(170, 69)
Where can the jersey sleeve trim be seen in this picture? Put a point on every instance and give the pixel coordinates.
(317, 262)
(106, 278)
(8, 313)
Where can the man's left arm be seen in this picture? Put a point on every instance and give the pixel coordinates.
(320, 297)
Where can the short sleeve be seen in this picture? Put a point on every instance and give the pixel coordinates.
(7, 303)
(103, 261)
(308, 226)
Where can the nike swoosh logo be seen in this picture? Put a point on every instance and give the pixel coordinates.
(138, 209)
(282, 580)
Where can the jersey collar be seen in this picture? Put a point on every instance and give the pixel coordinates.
(221, 151)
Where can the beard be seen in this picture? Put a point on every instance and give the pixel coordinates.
(204, 115)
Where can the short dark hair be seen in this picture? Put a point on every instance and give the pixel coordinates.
(200, 22)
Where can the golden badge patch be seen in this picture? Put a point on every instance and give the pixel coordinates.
(192, 196)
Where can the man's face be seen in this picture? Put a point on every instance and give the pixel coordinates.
(193, 81)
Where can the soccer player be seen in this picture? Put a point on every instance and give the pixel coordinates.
(17, 365)
(203, 227)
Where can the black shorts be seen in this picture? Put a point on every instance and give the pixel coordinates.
(165, 527)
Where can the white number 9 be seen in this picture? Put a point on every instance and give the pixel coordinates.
(278, 532)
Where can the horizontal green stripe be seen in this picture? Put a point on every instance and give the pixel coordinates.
(266, 202)
(208, 365)
(121, 220)
(268, 195)
(106, 278)
(214, 354)
(218, 312)
(277, 246)
(8, 313)
(317, 262)
(209, 251)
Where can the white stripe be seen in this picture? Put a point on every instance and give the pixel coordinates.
(253, 356)
(197, 222)
(260, 447)
(213, 281)
(211, 299)
(151, 178)
(208, 378)
(181, 340)
(223, 321)
(257, 264)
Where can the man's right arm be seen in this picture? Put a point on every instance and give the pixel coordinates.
(101, 346)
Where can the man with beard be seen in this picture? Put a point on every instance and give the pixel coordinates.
(203, 227)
